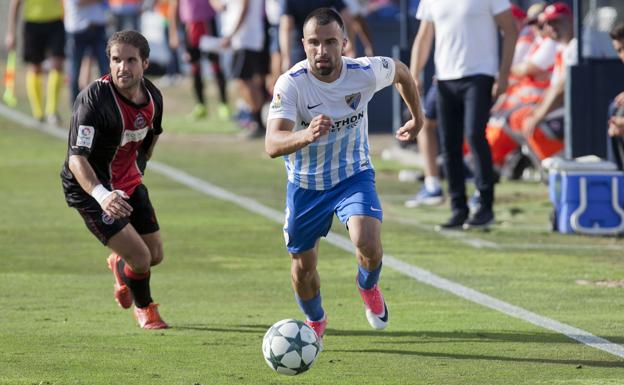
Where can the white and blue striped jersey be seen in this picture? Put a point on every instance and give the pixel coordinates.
(299, 96)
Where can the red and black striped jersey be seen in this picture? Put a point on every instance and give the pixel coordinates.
(109, 129)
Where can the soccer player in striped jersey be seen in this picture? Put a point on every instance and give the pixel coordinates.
(112, 121)
(318, 123)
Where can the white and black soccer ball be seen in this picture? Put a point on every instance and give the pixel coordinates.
(290, 347)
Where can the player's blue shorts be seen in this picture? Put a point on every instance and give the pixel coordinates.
(309, 213)
(429, 104)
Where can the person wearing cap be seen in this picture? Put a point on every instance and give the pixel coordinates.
(532, 79)
(542, 125)
(615, 147)
(469, 77)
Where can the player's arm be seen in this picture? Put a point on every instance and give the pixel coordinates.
(525, 68)
(505, 23)
(112, 202)
(281, 140)
(12, 24)
(349, 27)
(421, 48)
(286, 25)
(405, 84)
(174, 40)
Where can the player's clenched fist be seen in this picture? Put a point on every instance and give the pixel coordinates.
(319, 126)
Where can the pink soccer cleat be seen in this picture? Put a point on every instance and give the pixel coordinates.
(376, 309)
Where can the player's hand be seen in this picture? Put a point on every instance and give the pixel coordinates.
(318, 127)
(10, 41)
(529, 125)
(616, 126)
(226, 41)
(409, 130)
(116, 206)
(619, 100)
(500, 87)
(174, 40)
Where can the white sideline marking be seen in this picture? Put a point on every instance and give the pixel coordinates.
(339, 241)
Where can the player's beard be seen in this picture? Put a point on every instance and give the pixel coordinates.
(128, 83)
(325, 70)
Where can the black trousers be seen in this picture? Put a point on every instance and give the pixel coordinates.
(463, 111)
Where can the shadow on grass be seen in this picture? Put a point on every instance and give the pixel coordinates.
(429, 337)
(589, 363)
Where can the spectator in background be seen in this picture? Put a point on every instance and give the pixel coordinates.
(43, 33)
(243, 30)
(615, 147)
(531, 76)
(85, 24)
(542, 124)
(359, 10)
(126, 14)
(291, 27)
(173, 72)
(430, 193)
(465, 89)
(198, 17)
(274, 10)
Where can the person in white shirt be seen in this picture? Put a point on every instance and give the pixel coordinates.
(318, 123)
(242, 28)
(466, 61)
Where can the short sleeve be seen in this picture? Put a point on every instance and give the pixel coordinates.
(423, 13)
(499, 6)
(85, 125)
(384, 70)
(158, 114)
(284, 102)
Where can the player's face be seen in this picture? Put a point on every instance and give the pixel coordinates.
(126, 66)
(618, 45)
(324, 45)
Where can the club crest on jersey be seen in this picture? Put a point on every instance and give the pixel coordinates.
(139, 121)
(107, 219)
(353, 100)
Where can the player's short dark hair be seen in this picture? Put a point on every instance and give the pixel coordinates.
(130, 37)
(617, 33)
(324, 16)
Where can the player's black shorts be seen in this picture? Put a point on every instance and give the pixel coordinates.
(143, 217)
(41, 38)
(246, 64)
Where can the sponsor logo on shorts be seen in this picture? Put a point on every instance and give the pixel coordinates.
(107, 219)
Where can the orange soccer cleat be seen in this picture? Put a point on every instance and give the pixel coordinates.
(149, 318)
(123, 296)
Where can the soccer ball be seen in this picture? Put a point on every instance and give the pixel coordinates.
(290, 347)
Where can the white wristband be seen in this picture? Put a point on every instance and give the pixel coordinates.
(100, 193)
